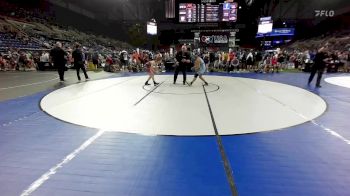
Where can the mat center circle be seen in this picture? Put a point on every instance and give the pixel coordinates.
(238, 106)
(180, 89)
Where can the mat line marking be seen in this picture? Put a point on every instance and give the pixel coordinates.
(328, 130)
(212, 91)
(39, 182)
(93, 92)
(31, 84)
(9, 123)
(46, 176)
(227, 166)
(149, 93)
(33, 113)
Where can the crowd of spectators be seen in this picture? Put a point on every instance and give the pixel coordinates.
(29, 14)
(338, 48)
(298, 56)
(26, 36)
(266, 61)
(19, 60)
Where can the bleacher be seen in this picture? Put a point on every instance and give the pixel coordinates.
(337, 42)
(40, 28)
(9, 41)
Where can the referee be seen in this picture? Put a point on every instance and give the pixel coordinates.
(79, 60)
(183, 59)
(319, 66)
(57, 56)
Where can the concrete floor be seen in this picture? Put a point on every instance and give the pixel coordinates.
(19, 84)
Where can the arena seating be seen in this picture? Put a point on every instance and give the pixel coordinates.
(8, 41)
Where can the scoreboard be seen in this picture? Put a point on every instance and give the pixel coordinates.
(229, 12)
(209, 13)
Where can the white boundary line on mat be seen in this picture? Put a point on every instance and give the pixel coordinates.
(36, 184)
(31, 84)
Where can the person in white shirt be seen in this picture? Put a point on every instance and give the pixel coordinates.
(250, 60)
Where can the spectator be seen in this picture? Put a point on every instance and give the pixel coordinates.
(58, 58)
(79, 59)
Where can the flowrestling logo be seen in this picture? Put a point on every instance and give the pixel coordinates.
(324, 13)
(214, 39)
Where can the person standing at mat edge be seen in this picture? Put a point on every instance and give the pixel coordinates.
(79, 61)
(183, 59)
(319, 66)
(151, 66)
(57, 56)
(199, 68)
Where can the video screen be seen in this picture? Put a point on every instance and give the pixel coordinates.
(229, 13)
(265, 28)
(265, 25)
(188, 12)
(151, 28)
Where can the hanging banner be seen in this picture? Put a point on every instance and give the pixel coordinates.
(214, 38)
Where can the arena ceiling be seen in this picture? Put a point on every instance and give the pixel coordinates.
(119, 15)
(126, 10)
(143, 10)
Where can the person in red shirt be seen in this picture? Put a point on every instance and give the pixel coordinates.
(109, 64)
(2, 63)
(274, 63)
(109, 61)
(150, 68)
(136, 61)
(136, 57)
(231, 57)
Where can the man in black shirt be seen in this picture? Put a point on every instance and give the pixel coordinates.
(79, 60)
(211, 61)
(183, 59)
(57, 56)
(319, 66)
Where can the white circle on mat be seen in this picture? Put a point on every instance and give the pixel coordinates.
(240, 106)
(343, 81)
(181, 89)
